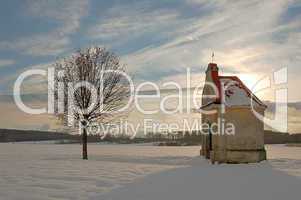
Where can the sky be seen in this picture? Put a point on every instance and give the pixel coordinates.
(156, 39)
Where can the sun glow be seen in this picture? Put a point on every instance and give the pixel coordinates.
(254, 81)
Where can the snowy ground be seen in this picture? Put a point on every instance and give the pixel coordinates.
(141, 172)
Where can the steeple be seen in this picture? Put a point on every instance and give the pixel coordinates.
(212, 67)
(212, 76)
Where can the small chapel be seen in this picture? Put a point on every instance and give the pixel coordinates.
(232, 102)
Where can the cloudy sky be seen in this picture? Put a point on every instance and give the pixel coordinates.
(157, 39)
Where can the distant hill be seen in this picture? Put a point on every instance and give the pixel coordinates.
(271, 137)
(272, 105)
(12, 135)
(24, 97)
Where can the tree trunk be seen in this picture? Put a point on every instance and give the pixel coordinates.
(84, 142)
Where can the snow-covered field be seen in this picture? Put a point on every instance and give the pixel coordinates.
(141, 172)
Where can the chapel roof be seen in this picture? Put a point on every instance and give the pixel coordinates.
(236, 93)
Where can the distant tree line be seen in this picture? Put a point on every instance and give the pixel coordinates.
(169, 139)
(12, 135)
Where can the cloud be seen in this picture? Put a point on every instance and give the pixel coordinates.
(123, 24)
(38, 45)
(6, 62)
(248, 37)
(242, 34)
(66, 13)
(133, 23)
(32, 84)
(158, 39)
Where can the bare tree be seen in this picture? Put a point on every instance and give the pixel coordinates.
(90, 86)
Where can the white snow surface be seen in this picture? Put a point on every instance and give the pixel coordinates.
(235, 95)
(142, 172)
